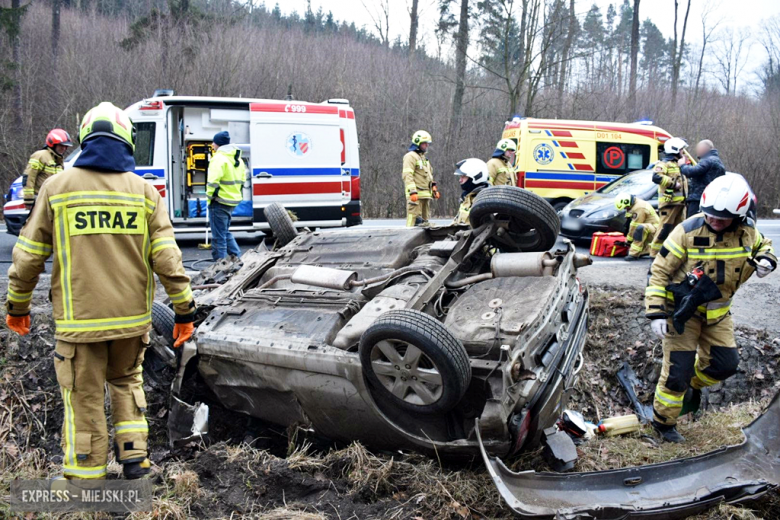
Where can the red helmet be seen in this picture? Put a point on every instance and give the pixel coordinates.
(58, 136)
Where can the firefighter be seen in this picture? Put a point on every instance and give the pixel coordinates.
(44, 163)
(224, 189)
(108, 231)
(473, 175)
(721, 248)
(418, 181)
(500, 166)
(644, 224)
(672, 190)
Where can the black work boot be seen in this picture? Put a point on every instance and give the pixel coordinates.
(630, 258)
(691, 401)
(668, 432)
(135, 470)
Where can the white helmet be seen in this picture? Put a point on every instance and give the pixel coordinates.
(474, 169)
(675, 146)
(728, 196)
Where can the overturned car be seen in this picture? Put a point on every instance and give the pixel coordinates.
(401, 338)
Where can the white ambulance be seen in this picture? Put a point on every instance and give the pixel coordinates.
(299, 154)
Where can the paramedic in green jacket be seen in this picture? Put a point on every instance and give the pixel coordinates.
(224, 189)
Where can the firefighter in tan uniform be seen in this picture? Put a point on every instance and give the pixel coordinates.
(419, 185)
(500, 169)
(109, 232)
(644, 224)
(473, 177)
(709, 256)
(672, 191)
(44, 163)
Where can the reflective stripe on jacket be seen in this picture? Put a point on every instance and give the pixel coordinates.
(725, 261)
(418, 175)
(226, 176)
(41, 165)
(501, 173)
(108, 233)
(667, 174)
(641, 213)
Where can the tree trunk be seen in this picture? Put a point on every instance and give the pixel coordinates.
(565, 59)
(634, 56)
(413, 28)
(17, 60)
(677, 53)
(55, 49)
(462, 46)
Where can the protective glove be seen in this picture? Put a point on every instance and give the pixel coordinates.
(763, 267)
(436, 193)
(413, 196)
(181, 333)
(660, 327)
(18, 324)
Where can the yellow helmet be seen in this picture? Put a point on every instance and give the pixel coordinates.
(420, 137)
(110, 121)
(624, 201)
(506, 145)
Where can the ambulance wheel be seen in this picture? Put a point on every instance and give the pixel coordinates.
(281, 224)
(527, 222)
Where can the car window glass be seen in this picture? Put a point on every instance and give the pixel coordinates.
(621, 158)
(144, 144)
(636, 183)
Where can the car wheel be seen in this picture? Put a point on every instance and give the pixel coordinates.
(530, 223)
(163, 321)
(413, 361)
(281, 224)
(558, 205)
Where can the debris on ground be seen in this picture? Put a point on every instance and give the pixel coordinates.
(254, 469)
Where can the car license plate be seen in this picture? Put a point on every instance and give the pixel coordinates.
(572, 224)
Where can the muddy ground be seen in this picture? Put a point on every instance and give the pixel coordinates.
(256, 470)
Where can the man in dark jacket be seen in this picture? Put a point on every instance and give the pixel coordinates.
(699, 176)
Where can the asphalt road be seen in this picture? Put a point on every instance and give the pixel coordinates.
(190, 251)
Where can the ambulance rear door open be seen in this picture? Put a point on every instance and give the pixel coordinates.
(191, 128)
(298, 160)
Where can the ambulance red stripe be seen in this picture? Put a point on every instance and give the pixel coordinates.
(575, 155)
(568, 144)
(296, 188)
(560, 185)
(561, 133)
(583, 167)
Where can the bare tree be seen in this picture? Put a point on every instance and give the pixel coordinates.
(634, 60)
(461, 48)
(731, 53)
(380, 17)
(565, 58)
(677, 52)
(413, 23)
(707, 33)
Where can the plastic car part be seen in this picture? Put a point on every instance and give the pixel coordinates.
(668, 490)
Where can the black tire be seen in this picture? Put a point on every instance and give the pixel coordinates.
(163, 321)
(531, 223)
(559, 204)
(442, 364)
(281, 224)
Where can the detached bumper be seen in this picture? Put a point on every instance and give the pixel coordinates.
(669, 490)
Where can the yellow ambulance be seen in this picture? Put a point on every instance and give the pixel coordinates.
(561, 160)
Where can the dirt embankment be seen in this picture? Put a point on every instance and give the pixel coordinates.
(254, 469)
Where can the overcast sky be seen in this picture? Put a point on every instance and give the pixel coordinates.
(734, 13)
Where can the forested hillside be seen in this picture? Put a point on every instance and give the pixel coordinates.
(526, 57)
